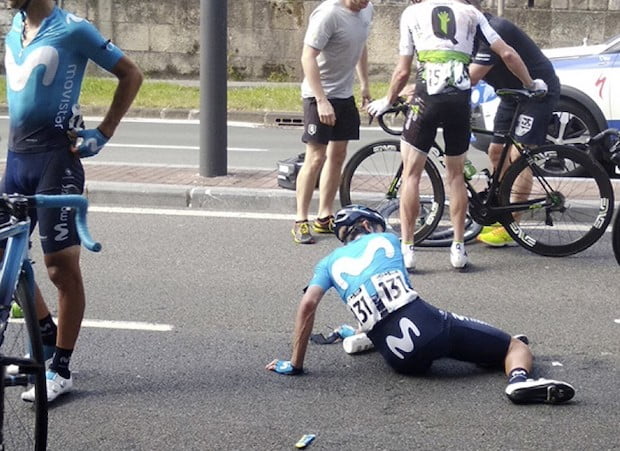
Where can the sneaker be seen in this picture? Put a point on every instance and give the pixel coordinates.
(301, 233)
(323, 225)
(458, 256)
(540, 391)
(48, 355)
(56, 386)
(408, 256)
(490, 228)
(496, 238)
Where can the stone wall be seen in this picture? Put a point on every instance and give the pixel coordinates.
(265, 36)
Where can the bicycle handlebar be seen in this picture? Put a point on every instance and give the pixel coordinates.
(75, 201)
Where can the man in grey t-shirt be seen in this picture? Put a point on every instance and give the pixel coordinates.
(334, 48)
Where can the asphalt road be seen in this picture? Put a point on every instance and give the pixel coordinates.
(227, 287)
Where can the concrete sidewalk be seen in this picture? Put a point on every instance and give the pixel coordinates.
(172, 187)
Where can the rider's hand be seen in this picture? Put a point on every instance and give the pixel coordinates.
(92, 141)
(284, 367)
(538, 85)
(378, 107)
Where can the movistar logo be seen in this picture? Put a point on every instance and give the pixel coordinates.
(404, 343)
(355, 266)
(18, 75)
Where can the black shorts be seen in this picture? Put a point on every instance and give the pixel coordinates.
(347, 126)
(451, 111)
(53, 171)
(533, 122)
(412, 337)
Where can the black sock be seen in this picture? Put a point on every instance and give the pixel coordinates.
(60, 364)
(48, 330)
(517, 375)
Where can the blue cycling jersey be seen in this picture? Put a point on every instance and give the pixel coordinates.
(45, 77)
(369, 275)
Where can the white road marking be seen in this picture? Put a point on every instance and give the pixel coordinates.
(177, 147)
(189, 212)
(127, 325)
(556, 364)
(617, 321)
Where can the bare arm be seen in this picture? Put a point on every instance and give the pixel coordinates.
(129, 81)
(400, 77)
(362, 75)
(513, 61)
(304, 321)
(477, 72)
(313, 76)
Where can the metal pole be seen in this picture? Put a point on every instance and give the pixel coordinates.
(500, 8)
(213, 97)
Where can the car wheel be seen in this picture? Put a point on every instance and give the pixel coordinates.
(574, 125)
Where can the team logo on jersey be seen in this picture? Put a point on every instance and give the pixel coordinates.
(354, 266)
(524, 124)
(73, 18)
(444, 23)
(398, 345)
(312, 129)
(19, 74)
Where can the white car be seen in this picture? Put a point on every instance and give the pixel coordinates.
(589, 101)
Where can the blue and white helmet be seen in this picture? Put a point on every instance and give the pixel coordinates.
(349, 216)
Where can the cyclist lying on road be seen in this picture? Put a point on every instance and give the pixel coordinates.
(369, 275)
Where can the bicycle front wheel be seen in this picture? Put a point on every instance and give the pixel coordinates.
(565, 215)
(372, 178)
(24, 426)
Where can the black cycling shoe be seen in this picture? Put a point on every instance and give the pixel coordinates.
(540, 391)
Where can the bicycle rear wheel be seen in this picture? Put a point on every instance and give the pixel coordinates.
(567, 214)
(24, 425)
(372, 178)
(443, 235)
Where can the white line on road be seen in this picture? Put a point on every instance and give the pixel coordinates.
(200, 213)
(165, 147)
(617, 321)
(128, 325)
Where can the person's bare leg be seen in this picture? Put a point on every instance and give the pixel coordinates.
(458, 194)
(518, 356)
(63, 268)
(413, 165)
(306, 179)
(330, 177)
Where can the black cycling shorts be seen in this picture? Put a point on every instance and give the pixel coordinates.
(415, 335)
(533, 121)
(451, 111)
(53, 171)
(347, 126)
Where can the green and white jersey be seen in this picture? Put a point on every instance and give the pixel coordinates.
(442, 32)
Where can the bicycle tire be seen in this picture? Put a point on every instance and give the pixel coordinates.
(615, 237)
(368, 179)
(24, 428)
(580, 208)
(443, 236)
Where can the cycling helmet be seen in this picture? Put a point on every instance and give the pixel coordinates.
(348, 217)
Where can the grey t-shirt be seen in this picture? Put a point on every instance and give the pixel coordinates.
(340, 34)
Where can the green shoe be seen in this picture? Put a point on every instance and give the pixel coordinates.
(490, 228)
(497, 237)
(16, 311)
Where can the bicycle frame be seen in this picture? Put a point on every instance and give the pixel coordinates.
(15, 259)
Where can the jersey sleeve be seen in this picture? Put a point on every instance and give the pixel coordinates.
(320, 28)
(406, 45)
(489, 33)
(321, 276)
(92, 45)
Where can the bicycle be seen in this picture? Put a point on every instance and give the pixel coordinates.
(20, 428)
(559, 216)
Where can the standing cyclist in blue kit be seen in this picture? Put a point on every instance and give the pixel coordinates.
(370, 276)
(47, 50)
